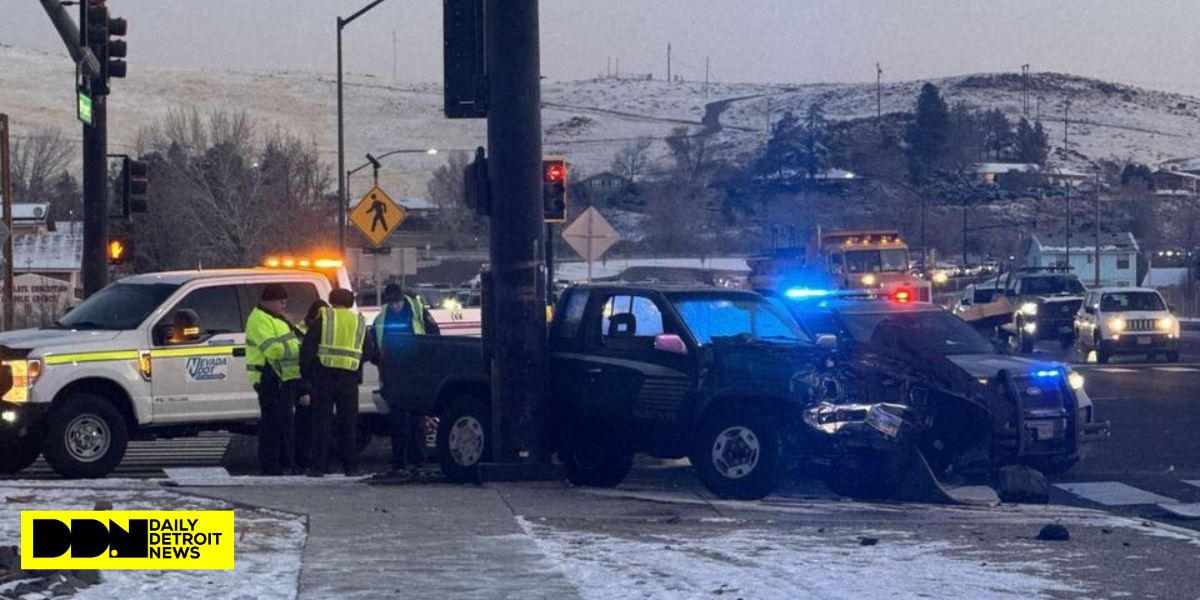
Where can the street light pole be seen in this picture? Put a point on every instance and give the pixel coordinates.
(341, 144)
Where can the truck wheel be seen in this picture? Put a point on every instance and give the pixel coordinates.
(463, 438)
(737, 453)
(85, 436)
(598, 465)
(16, 453)
(869, 475)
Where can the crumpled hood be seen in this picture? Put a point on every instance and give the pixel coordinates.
(988, 365)
(37, 339)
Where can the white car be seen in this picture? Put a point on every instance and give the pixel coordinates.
(106, 371)
(1126, 320)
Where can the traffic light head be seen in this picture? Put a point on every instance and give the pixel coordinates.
(102, 34)
(135, 184)
(120, 249)
(554, 190)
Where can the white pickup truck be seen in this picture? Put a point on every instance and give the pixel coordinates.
(106, 371)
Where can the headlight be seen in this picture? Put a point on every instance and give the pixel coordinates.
(24, 373)
(868, 279)
(1030, 327)
(1075, 380)
(1116, 325)
(1166, 324)
(1029, 309)
(940, 277)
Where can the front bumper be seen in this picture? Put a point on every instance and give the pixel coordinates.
(19, 418)
(1054, 329)
(1140, 342)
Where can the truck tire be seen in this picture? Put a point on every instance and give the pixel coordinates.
(869, 475)
(736, 453)
(597, 465)
(463, 438)
(86, 436)
(16, 453)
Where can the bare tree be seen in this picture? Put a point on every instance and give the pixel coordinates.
(630, 161)
(447, 192)
(690, 152)
(37, 160)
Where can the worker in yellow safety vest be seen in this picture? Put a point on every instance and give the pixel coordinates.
(339, 335)
(273, 368)
(402, 317)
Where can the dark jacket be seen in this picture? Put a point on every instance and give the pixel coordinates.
(310, 366)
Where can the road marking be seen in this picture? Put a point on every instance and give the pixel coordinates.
(1113, 493)
(1175, 369)
(1113, 370)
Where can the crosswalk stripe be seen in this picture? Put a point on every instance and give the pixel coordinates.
(1113, 493)
(1114, 370)
(148, 457)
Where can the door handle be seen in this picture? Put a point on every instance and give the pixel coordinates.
(239, 352)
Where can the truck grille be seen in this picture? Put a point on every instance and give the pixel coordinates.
(1141, 325)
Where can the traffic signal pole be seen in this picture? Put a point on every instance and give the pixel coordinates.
(519, 364)
(95, 199)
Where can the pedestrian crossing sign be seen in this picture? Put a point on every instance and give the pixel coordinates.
(377, 215)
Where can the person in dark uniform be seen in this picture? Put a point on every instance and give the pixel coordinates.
(308, 372)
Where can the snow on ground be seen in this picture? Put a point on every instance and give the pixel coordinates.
(767, 564)
(585, 120)
(267, 552)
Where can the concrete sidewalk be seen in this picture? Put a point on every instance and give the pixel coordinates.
(553, 541)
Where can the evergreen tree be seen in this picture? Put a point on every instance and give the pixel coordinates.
(1031, 143)
(999, 135)
(927, 135)
(814, 158)
(785, 148)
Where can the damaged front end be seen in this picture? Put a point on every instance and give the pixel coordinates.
(916, 427)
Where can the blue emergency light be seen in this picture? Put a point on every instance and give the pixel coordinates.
(802, 293)
(1044, 373)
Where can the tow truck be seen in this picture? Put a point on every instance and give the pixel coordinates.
(869, 259)
(111, 370)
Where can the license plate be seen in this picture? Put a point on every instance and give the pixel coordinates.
(1143, 341)
(1041, 430)
(884, 421)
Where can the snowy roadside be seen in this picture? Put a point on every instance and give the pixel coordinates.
(268, 548)
(759, 563)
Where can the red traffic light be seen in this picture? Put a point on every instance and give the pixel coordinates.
(556, 171)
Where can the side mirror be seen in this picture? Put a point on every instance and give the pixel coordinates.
(187, 333)
(827, 341)
(669, 343)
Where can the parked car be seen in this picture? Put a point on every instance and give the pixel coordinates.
(1115, 321)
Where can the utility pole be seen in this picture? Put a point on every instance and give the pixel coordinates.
(519, 366)
(1039, 108)
(879, 94)
(1096, 263)
(705, 76)
(1068, 236)
(1025, 89)
(668, 62)
(6, 191)
(1066, 123)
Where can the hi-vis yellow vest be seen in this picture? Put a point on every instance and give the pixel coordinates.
(342, 334)
(270, 344)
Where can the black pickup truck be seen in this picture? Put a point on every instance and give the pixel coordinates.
(718, 375)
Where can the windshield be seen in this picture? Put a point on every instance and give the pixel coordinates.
(941, 331)
(1055, 284)
(755, 319)
(874, 261)
(117, 307)
(1126, 301)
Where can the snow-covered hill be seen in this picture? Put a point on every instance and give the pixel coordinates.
(587, 121)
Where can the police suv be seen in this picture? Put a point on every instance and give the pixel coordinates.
(112, 369)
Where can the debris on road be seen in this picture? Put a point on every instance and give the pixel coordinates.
(1054, 532)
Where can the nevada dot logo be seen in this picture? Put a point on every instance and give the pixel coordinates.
(127, 539)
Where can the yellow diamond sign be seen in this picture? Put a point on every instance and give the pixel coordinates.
(377, 215)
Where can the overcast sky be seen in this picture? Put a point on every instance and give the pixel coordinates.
(1153, 43)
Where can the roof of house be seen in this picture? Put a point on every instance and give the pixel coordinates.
(57, 251)
(997, 168)
(1084, 242)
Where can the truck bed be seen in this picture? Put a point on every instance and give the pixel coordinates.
(414, 375)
